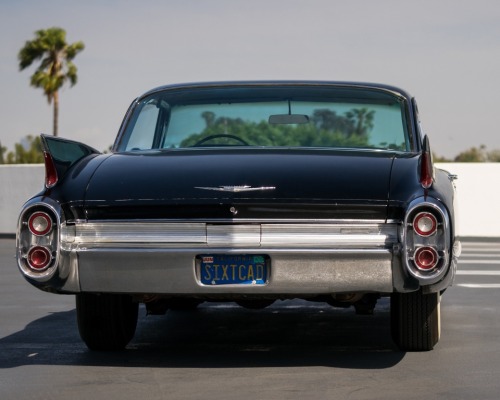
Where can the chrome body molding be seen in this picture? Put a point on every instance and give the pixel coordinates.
(230, 234)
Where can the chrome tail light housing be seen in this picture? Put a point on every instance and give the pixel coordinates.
(38, 241)
(427, 240)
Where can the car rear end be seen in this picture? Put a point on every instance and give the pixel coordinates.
(331, 196)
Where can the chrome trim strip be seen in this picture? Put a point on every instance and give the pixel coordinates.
(233, 221)
(233, 235)
(176, 235)
(328, 235)
(88, 233)
(152, 249)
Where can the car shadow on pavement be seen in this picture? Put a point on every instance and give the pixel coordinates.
(219, 335)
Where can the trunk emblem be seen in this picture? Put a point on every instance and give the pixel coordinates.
(236, 189)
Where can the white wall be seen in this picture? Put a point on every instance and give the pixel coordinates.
(17, 184)
(478, 191)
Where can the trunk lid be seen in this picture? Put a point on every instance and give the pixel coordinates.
(325, 183)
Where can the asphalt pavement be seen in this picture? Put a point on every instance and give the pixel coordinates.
(291, 350)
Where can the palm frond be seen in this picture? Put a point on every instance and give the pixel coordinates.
(56, 67)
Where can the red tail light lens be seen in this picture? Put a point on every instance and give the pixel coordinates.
(426, 171)
(426, 258)
(51, 177)
(425, 224)
(39, 258)
(39, 224)
(426, 165)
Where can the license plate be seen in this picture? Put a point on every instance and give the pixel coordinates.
(228, 269)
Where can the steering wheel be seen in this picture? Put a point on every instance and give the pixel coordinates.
(221, 135)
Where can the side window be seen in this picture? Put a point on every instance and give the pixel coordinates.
(144, 129)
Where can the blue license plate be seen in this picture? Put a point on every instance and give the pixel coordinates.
(229, 269)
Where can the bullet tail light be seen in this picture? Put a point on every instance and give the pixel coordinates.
(39, 258)
(426, 258)
(425, 224)
(39, 223)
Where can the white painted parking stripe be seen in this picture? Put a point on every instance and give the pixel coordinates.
(467, 272)
(461, 262)
(480, 255)
(481, 248)
(481, 244)
(479, 285)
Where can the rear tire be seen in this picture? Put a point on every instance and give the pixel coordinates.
(106, 321)
(415, 320)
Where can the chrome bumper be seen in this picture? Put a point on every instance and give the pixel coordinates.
(156, 257)
(175, 271)
(159, 256)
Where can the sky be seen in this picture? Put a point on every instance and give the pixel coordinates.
(445, 53)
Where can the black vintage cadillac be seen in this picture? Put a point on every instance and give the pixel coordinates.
(249, 192)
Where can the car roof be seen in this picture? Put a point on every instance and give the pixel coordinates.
(280, 83)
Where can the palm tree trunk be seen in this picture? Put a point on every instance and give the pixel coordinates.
(56, 112)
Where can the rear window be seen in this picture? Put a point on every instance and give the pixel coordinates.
(301, 117)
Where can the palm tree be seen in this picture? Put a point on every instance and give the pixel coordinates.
(56, 66)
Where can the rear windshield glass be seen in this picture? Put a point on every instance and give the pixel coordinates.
(268, 117)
